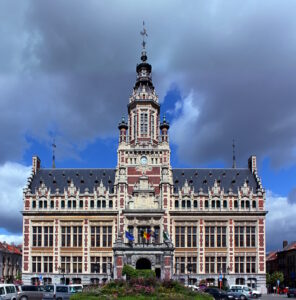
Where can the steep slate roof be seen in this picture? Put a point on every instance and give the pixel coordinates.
(89, 178)
(82, 178)
(205, 178)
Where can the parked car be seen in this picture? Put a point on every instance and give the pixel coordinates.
(291, 293)
(57, 292)
(247, 291)
(28, 292)
(217, 293)
(8, 292)
(237, 294)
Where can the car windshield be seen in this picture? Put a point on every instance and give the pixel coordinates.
(49, 288)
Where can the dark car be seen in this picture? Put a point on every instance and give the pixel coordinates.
(291, 293)
(217, 293)
(30, 292)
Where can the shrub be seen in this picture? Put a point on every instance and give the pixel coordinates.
(130, 272)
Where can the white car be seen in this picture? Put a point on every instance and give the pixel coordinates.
(8, 292)
(247, 290)
(193, 287)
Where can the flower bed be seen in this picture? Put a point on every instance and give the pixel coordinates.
(140, 289)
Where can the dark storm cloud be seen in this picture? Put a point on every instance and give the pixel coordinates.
(69, 68)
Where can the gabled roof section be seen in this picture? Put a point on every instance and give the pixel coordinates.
(203, 179)
(81, 178)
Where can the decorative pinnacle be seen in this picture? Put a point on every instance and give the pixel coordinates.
(233, 155)
(53, 153)
(144, 34)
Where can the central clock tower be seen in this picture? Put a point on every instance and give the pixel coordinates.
(144, 177)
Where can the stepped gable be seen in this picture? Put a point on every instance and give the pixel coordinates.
(205, 179)
(81, 178)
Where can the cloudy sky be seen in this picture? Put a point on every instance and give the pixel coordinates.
(222, 69)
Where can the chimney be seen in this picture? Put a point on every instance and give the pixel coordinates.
(285, 244)
(252, 163)
(35, 164)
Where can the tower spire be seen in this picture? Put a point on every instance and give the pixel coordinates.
(233, 155)
(53, 154)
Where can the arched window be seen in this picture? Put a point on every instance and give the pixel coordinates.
(69, 203)
(235, 204)
(183, 204)
(195, 203)
(34, 204)
(40, 204)
(104, 203)
(188, 204)
(45, 204)
(206, 203)
(225, 203)
(247, 204)
(98, 203)
(242, 204)
(218, 203)
(81, 204)
(110, 203)
(254, 204)
(213, 203)
(74, 204)
(62, 204)
(51, 204)
(176, 204)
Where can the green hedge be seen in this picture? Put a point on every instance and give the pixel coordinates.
(130, 272)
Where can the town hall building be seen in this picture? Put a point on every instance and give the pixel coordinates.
(84, 225)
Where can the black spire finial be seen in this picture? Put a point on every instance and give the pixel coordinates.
(53, 153)
(144, 34)
(233, 155)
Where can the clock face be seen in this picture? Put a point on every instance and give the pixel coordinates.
(144, 160)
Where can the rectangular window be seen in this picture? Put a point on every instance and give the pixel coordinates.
(77, 236)
(191, 236)
(239, 236)
(221, 264)
(239, 264)
(106, 264)
(210, 265)
(66, 264)
(95, 265)
(107, 236)
(251, 264)
(48, 236)
(77, 264)
(66, 236)
(144, 123)
(191, 265)
(37, 236)
(36, 264)
(152, 126)
(221, 236)
(47, 264)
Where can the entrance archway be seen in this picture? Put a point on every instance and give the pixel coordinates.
(143, 264)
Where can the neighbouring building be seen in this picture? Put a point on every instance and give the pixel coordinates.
(204, 223)
(10, 262)
(283, 261)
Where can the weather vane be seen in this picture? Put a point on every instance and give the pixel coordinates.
(144, 34)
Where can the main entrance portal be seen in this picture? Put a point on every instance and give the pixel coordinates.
(143, 264)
